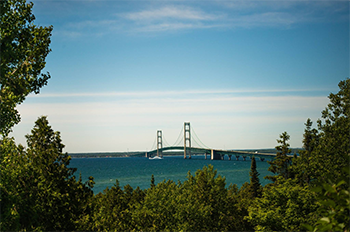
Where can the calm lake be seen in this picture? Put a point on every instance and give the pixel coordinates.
(137, 171)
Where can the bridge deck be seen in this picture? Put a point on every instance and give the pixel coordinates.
(217, 151)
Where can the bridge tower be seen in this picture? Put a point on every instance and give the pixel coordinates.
(159, 143)
(187, 140)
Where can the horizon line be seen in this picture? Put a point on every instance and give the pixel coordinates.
(171, 92)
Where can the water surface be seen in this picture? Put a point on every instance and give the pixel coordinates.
(137, 171)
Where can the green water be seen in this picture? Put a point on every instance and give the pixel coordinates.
(137, 171)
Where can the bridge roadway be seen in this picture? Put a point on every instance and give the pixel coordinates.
(216, 154)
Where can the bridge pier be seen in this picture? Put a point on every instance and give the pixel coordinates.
(214, 155)
(187, 138)
(159, 143)
(237, 157)
(244, 157)
(262, 159)
(229, 157)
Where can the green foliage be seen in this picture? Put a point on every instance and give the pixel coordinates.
(200, 203)
(325, 155)
(24, 48)
(209, 193)
(159, 210)
(38, 190)
(243, 200)
(311, 137)
(113, 209)
(283, 206)
(334, 130)
(303, 167)
(152, 182)
(197, 204)
(255, 186)
(334, 198)
(280, 165)
(326, 149)
(12, 169)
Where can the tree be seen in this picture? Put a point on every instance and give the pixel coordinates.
(152, 181)
(302, 167)
(284, 206)
(40, 191)
(112, 209)
(201, 203)
(242, 199)
(326, 149)
(282, 161)
(311, 138)
(334, 144)
(161, 208)
(209, 191)
(334, 199)
(254, 186)
(13, 167)
(24, 48)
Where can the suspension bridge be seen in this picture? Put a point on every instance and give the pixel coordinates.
(193, 145)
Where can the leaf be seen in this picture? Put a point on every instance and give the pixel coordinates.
(308, 227)
(317, 189)
(328, 202)
(341, 183)
(328, 188)
(325, 219)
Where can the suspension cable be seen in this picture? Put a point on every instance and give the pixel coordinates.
(202, 144)
(180, 142)
(154, 144)
(179, 138)
(166, 142)
(194, 142)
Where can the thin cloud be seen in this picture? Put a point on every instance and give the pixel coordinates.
(167, 27)
(162, 27)
(172, 18)
(170, 12)
(239, 14)
(211, 15)
(130, 112)
(273, 19)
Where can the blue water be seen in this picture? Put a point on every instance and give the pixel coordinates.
(137, 171)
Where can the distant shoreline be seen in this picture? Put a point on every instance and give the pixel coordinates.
(142, 153)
